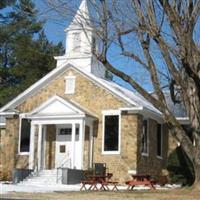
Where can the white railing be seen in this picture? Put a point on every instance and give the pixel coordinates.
(65, 164)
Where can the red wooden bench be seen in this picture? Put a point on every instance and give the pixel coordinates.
(103, 180)
(140, 179)
(107, 182)
(92, 185)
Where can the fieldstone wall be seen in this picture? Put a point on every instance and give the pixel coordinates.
(151, 163)
(9, 148)
(87, 93)
(2, 144)
(119, 164)
(93, 98)
(22, 162)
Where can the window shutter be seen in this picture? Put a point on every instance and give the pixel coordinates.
(69, 85)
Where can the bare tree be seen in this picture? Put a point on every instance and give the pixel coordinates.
(162, 38)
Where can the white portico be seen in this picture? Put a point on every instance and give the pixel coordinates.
(70, 121)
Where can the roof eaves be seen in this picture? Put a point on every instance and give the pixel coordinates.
(142, 109)
(2, 125)
(21, 97)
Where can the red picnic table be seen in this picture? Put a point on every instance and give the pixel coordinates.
(140, 179)
(94, 180)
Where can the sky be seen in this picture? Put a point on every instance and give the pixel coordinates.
(54, 30)
(54, 23)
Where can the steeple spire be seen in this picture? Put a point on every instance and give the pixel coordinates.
(81, 41)
(81, 18)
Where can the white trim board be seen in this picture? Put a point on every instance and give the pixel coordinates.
(2, 125)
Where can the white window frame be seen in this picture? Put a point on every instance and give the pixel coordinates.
(72, 88)
(111, 113)
(161, 146)
(146, 153)
(19, 140)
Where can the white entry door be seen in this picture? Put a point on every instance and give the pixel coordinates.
(63, 146)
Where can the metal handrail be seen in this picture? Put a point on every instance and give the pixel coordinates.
(61, 167)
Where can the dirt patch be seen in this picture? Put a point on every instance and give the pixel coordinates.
(181, 194)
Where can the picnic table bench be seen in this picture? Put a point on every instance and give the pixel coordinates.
(91, 182)
(108, 182)
(140, 179)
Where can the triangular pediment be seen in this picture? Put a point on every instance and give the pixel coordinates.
(56, 106)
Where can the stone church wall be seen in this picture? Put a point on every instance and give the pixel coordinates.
(95, 99)
(151, 163)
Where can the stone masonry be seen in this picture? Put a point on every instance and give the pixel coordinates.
(95, 99)
(9, 145)
(151, 163)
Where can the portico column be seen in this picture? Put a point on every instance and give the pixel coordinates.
(39, 145)
(91, 145)
(82, 136)
(73, 145)
(31, 150)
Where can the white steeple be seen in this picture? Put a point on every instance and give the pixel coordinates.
(80, 42)
(81, 19)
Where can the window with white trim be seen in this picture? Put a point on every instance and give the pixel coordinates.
(24, 136)
(111, 133)
(159, 140)
(70, 84)
(144, 144)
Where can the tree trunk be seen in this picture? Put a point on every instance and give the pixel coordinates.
(196, 184)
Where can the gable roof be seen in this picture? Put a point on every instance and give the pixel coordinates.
(131, 98)
(137, 98)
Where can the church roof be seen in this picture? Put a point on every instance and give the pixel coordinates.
(134, 96)
(132, 99)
